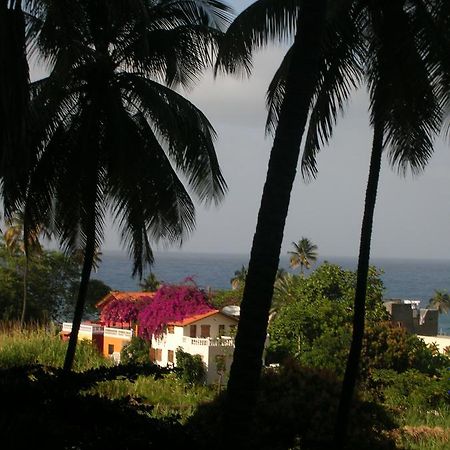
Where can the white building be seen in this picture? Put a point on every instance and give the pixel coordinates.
(209, 335)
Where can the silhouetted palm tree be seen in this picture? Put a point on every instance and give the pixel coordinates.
(114, 130)
(318, 42)
(303, 255)
(440, 301)
(405, 117)
(14, 102)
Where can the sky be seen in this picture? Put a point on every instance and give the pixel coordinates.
(412, 216)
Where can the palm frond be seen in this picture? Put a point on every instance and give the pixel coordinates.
(147, 198)
(404, 95)
(263, 22)
(185, 131)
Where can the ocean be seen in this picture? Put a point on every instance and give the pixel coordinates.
(402, 278)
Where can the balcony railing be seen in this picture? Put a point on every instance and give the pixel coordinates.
(118, 332)
(87, 329)
(210, 342)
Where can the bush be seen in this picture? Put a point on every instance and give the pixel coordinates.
(192, 368)
(296, 408)
(136, 352)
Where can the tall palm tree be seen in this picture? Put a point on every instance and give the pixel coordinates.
(318, 34)
(440, 301)
(114, 130)
(14, 102)
(405, 117)
(303, 255)
(17, 243)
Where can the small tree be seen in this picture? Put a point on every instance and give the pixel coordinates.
(150, 283)
(305, 253)
(193, 369)
(238, 281)
(440, 301)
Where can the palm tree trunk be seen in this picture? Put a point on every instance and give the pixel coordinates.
(25, 289)
(264, 259)
(351, 372)
(81, 300)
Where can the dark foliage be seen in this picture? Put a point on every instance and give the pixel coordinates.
(44, 407)
(294, 408)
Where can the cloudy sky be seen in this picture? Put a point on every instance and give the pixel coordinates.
(412, 218)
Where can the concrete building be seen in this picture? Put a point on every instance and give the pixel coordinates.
(209, 335)
(409, 314)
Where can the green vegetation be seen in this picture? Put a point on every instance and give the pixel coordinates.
(168, 396)
(192, 368)
(402, 400)
(21, 347)
(52, 285)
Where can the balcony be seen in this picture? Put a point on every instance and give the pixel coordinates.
(209, 342)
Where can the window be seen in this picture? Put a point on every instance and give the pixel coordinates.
(170, 356)
(193, 331)
(110, 349)
(221, 330)
(158, 353)
(205, 331)
(152, 354)
(170, 329)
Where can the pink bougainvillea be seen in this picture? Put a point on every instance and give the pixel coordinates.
(172, 303)
(123, 310)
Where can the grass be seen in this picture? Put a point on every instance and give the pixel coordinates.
(167, 396)
(36, 344)
(420, 427)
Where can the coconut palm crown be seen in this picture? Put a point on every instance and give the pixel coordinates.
(111, 131)
(303, 255)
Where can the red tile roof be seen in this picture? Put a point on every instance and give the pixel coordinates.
(119, 295)
(194, 318)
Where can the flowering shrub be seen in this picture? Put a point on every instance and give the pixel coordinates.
(172, 303)
(123, 310)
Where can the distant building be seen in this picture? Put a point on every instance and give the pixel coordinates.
(409, 314)
(208, 335)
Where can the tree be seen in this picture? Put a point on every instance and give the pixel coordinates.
(150, 283)
(52, 279)
(440, 301)
(238, 281)
(405, 116)
(111, 126)
(14, 102)
(303, 255)
(30, 247)
(261, 22)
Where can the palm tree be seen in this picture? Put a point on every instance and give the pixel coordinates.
(306, 67)
(303, 255)
(406, 114)
(150, 283)
(18, 244)
(14, 102)
(114, 130)
(405, 118)
(238, 280)
(440, 301)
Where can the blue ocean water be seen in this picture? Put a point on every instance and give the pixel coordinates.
(402, 278)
